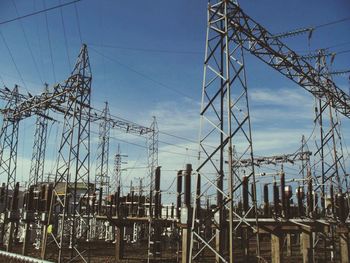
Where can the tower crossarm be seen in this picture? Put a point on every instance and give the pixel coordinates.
(276, 159)
(6, 94)
(8, 113)
(261, 43)
(35, 105)
(121, 124)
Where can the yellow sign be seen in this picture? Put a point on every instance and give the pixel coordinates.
(49, 229)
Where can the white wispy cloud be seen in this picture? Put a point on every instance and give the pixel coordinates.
(291, 97)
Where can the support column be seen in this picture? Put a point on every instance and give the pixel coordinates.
(306, 246)
(119, 243)
(185, 240)
(275, 248)
(28, 218)
(186, 216)
(178, 193)
(289, 244)
(157, 214)
(344, 247)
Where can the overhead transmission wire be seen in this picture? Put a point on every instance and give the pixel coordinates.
(309, 29)
(38, 12)
(78, 23)
(28, 44)
(162, 132)
(2, 81)
(186, 155)
(50, 47)
(171, 185)
(128, 175)
(145, 147)
(168, 51)
(65, 36)
(338, 45)
(149, 50)
(143, 75)
(118, 62)
(13, 60)
(333, 22)
(192, 141)
(343, 51)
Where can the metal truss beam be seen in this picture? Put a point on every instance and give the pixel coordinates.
(276, 159)
(55, 101)
(265, 46)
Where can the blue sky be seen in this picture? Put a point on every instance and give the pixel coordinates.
(147, 59)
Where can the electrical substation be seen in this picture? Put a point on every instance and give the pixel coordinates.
(224, 209)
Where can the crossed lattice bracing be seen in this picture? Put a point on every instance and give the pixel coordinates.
(225, 122)
(115, 183)
(36, 172)
(271, 50)
(9, 143)
(102, 177)
(72, 180)
(225, 128)
(152, 149)
(329, 151)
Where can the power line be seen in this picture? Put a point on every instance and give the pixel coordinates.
(178, 146)
(343, 52)
(178, 137)
(332, 23)
(38, 12)
(143, 75)
(48, 35)
(338, 45)
(145, 147)
(78, 23)
(27, 43)
(2, 81)
(12, 58)
(147, 49)
(65, 36)
(171, 185)
(310, 29)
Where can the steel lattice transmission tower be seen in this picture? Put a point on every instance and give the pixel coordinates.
(8, 164)
(72, 182)
(329, 148)
(102, 177)
(152, 148)
(9, 143)
(225, 123)
(36, 172)
(115, 184)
